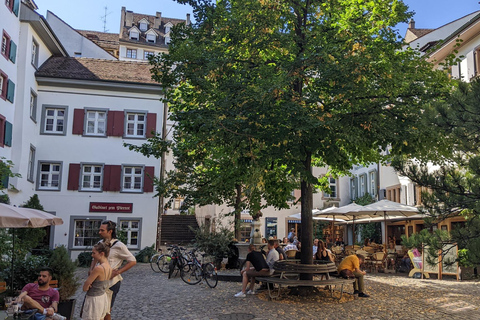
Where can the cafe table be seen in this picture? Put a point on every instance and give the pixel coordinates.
(22, 316)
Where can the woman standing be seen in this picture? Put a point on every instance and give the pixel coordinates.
(96, 304)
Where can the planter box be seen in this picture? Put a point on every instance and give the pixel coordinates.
(66, 308)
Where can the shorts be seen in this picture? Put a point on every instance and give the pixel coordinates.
(114, 290)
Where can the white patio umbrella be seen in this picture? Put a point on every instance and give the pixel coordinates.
(299, 216)
(387, 208)
(18, 217)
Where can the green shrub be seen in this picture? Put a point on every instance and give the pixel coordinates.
(25, 270)
(64, 271)
(85, 259)
(145, 252)
(215, 244)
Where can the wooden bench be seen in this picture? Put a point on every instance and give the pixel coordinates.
(287, 274)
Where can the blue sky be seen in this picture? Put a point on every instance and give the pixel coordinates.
(87, 14)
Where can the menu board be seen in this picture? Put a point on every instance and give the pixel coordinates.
(449, 263)
(427, 267)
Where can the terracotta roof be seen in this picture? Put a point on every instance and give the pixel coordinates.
(102, 39)
(96, 70)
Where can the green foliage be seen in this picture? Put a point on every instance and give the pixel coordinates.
(215, 244)
(319, 226)
(25, 270)
(64, 271)
(372, 231)
(364, 200)
(262, 90)
(6, 173)
(85, 259)
(455, 187)
(146, 252)
(33, 203)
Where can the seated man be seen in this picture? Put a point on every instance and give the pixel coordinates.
(255, 266)
(290, 245)
(281, 253)
(41, 297)
(272, 256)
(350, 267)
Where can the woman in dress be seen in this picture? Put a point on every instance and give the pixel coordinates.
(96, 304)
(323, 253)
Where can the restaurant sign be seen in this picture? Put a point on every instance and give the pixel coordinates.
(111, 207)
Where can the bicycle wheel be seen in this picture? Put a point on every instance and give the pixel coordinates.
(192, 276)
(154, 262)
(163, 262)
(210, 275)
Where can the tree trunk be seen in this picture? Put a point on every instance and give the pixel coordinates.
(238, 212)
(306, 255)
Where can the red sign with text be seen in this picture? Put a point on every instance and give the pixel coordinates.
(111, 207)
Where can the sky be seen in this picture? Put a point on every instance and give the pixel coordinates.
(88, 14)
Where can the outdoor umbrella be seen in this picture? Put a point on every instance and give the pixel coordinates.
(299, 216)
(387, 208)
(17, 217)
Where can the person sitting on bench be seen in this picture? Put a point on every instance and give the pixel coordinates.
(349, 268)
(255, 266)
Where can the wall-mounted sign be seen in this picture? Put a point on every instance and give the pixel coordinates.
(111, 207)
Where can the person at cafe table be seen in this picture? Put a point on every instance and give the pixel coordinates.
(41, 296)
(349, 268)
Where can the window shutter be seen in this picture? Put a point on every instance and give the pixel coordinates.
(10, 90)
(73, 176)
(115, 123)
(112, 175)
(7, 138)
(78, 117)
(148, 179)
(13, 51)
(151, 124)
(4, 181)
(16, 6)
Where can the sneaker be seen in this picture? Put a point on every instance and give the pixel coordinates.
(356, 292)
(363, 295)
(251, 292)
(240, 295)
(56, 316)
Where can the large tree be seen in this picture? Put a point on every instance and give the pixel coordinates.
(299, 83)
(453, 184)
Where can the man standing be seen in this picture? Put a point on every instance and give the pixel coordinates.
(118, 254)
(291, 234)
(41, 296)
(349, 267)
(255, 266)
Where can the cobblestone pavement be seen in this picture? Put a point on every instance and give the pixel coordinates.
(148, 295)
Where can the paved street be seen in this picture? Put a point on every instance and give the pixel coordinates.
(148, 295)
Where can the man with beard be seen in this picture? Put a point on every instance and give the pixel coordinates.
(118, 254)
(41, 296)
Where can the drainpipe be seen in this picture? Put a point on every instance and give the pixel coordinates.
(161, 200)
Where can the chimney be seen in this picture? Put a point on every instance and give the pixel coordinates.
(411, 24)
(122, 19)
(158, 20)
(129, 19)
(188, 19)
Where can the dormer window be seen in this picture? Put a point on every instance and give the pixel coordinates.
(134, 35)
(143, 26)
(168, 27)
(151, 37)
(167, 40)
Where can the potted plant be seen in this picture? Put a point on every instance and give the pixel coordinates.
(216, 243)
(64, 270)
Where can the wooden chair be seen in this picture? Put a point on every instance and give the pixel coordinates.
(3, 286)
(291, 254)
(378, 260)
(368, 249)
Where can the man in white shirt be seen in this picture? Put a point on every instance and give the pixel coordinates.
(272, 255)
(118, 254)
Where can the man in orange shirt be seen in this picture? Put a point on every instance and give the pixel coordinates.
(349, 267)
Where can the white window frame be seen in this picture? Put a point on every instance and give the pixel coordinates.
(372, 183)
(56, 118)
(132, 35)
(33, 106)
(167, 39)
(132, 180)
(143, 26)
(353, 188)
(151, 38)
(34, 58)
(53, 176)
(133, 232)
(5, 43)
(147, 53)
(96, 125)
(135, 123)
(332, 183)
(89, 231)
(94, 173)
(168, 27)
(362, 185)
(31, 164)
(131, 53)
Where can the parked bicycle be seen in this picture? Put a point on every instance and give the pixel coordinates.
(178, 261)
(159, 262)
(199, 271)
